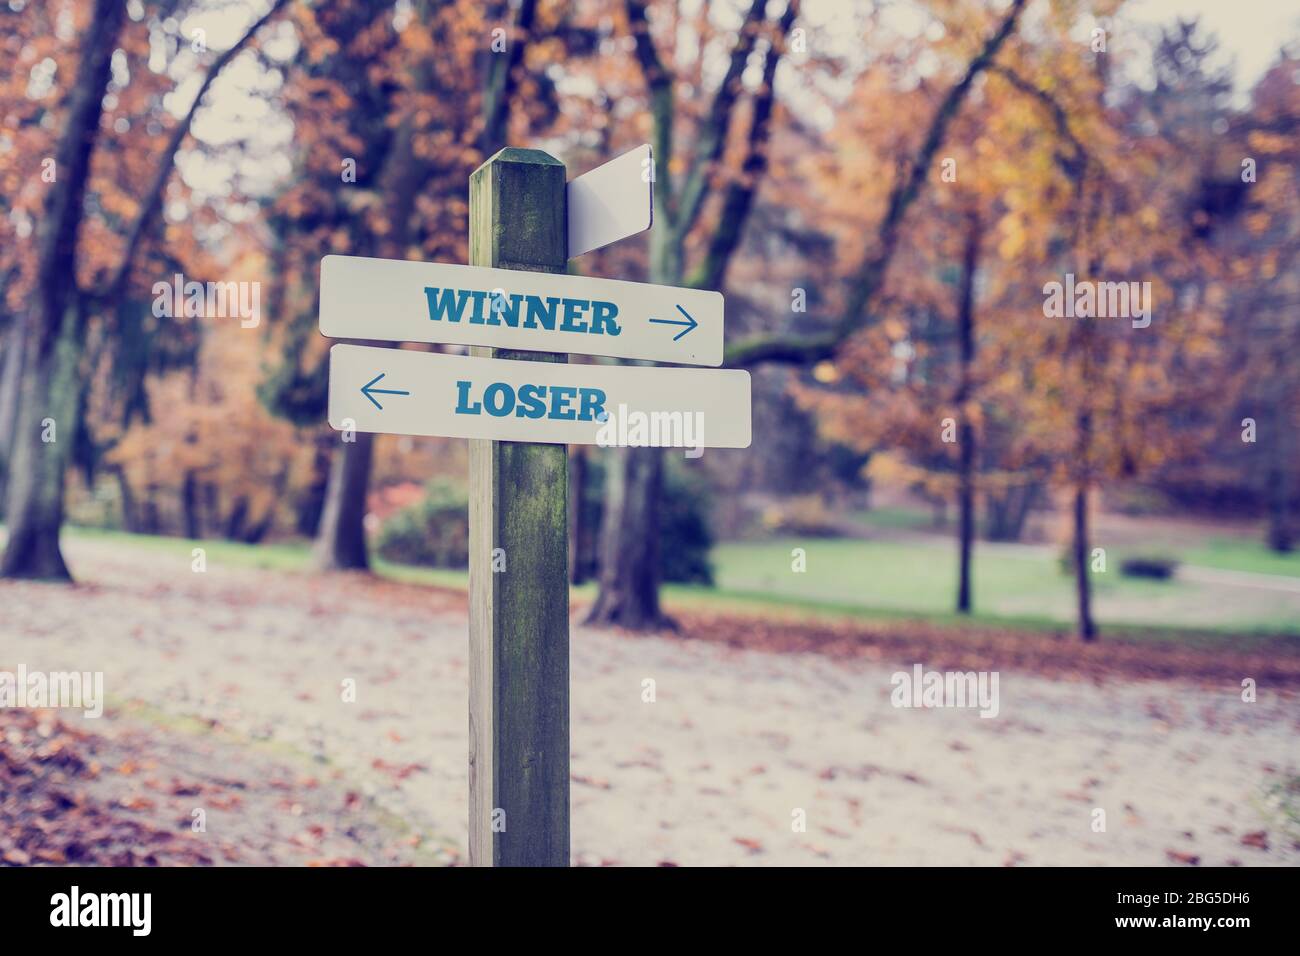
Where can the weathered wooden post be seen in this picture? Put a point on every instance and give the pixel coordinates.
(518, 573)
(524, 223)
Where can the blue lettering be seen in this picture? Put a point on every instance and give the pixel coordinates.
(504, 308)
(477, 317)
(566, 402)
(593, 404)
(602, 318)
(560, 397)
(573, 315)
(463, 406)
(541, 313)
(440, 306)
(505, 393)
(530, 402)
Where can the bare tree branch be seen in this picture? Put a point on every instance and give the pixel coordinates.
(907, 188)
(152, 201)
(712, 135)
(1072, 165)
(56, 243)
(738, 199)
(498, 91)
(660, 84)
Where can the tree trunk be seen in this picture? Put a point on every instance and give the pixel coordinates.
(311, 503)
(966, 433)
(150, 518)
(211, 501)
(261, 527)
(629, 567)
(190, 506)
(34, 508)
(1083, 584)
(1281, 532)
(1281, 535)
(938, 511)
(130, 520)
(966, 516)
(34, 495)
(629, 572)
(1006, 513)
(11, 367)
(629, 543)
(577, 497)
(236, 519)
(341, 539)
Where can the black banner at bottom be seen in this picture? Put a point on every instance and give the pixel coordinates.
(333, 906)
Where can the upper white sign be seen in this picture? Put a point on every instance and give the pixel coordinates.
(611, 202)
(397, 300)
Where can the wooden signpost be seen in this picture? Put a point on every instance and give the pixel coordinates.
(519, 402)
(518, 617)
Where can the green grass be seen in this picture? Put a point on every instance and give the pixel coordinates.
(877, 581)
(919, 577)
(281, 556)
(1241, 554)
(895, 519)
(916, 576)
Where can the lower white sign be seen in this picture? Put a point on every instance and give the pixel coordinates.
(424, 393)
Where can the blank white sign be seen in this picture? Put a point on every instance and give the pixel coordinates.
(611, 202)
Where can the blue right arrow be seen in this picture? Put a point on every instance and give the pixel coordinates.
(370, 391)
(689, 324)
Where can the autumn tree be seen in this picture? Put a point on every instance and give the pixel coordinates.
(392, 114)
(1249, 213)
(1093, 399)
(687, 181)
(913, 389)
(71, 282)
(1104, 387)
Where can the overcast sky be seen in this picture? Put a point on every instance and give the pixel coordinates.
(1250, 31)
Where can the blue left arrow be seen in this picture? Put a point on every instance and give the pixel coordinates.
(370, 391)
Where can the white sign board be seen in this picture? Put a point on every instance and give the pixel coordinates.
(425, 393)
(611, 202)
(396, 300)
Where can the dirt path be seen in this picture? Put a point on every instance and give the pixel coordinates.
(737, 746)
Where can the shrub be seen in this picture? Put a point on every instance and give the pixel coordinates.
(685, 537)
(1148, 566)
(805, 515)
(433, 532)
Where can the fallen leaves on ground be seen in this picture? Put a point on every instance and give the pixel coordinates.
(47, 813)
(1051, 654)
(70, 795)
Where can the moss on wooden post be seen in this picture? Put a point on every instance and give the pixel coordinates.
(519, 594)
